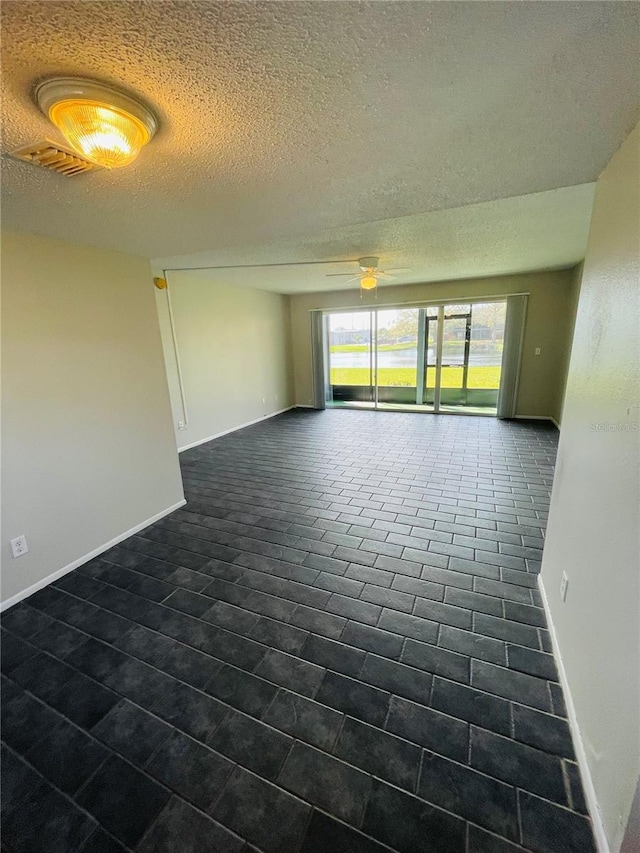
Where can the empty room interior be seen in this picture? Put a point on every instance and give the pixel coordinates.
(320, 427)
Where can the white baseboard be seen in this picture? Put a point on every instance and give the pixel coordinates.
(537, 418)
(85, 559)
(234, 429)
(303, 406)
(587, 783)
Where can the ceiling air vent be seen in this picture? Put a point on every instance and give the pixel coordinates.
(53, 155)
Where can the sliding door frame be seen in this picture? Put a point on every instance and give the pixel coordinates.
(439, 346)
(422, 344)
(374, 359)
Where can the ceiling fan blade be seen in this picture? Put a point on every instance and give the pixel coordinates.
(376, 272)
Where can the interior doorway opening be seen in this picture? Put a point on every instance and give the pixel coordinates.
(434, 358)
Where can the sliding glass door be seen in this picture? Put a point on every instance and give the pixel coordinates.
(396, 357)
(472, 344)
(436, 358)
(456, 337)
(351, 359)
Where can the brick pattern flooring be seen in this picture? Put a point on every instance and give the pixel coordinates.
(337, 645)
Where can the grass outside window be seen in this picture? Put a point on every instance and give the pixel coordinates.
(399, 377)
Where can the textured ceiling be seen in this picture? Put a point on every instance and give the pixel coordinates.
(539, 231)
(285, 121)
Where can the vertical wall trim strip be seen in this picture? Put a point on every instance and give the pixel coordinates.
(176, 353)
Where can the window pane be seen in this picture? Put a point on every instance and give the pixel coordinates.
(485, 351)
(350, 348)
(398, 347)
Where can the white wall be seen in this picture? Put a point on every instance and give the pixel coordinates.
(88, 451)
(234, 347)
(595, 507)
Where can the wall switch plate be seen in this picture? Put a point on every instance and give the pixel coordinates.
(181, 425)
(19, 546)
(537, 351)
(564, 585)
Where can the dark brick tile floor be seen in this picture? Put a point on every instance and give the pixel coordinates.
(336, 645)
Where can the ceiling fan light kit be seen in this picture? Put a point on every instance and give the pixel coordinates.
(369, 274)
(100, 122)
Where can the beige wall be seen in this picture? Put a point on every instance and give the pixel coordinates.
(234, 346)
(572, 308)
(595, 506)
(548, 326)
(87, 448)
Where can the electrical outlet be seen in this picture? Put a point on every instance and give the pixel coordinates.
(564, 585)
(19, 546)
(181, 425)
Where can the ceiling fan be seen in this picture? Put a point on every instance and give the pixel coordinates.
(369, 273)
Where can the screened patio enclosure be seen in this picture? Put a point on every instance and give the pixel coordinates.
(460, 357)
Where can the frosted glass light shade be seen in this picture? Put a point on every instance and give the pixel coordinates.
(368, 282)
(104, 125)
(105, 135)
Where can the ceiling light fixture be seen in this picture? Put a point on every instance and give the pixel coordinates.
(103, 124)
(369, 274)
(368, 282)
